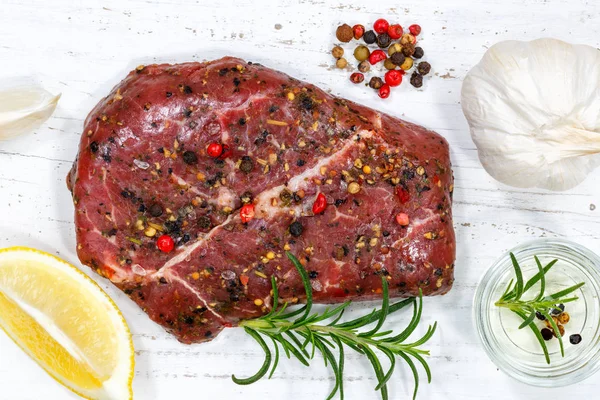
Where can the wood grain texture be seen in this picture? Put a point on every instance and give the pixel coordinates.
(82, 49)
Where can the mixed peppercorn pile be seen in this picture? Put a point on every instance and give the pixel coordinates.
(402, 51)
(561, 318)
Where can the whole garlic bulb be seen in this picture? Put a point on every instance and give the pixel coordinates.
(534, 112)
(23, 109)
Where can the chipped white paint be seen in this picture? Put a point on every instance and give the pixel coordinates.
(82, 49)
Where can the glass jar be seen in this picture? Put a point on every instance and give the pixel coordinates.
(517, 352)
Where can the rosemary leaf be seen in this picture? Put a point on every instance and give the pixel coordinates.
(519, 276)
(295, 335)
(265, 367)
(540, 304)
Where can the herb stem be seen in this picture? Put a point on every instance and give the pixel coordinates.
(316, 330)
(540, 304)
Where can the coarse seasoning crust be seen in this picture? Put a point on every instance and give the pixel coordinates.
(143, 171)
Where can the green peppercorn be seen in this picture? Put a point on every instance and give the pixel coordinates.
(397, 58)
(361, 53)
(369, 37)
(394, 48)
(407, 64)
(341, 63)
(337, 52)
(375, 82)
(383, 40)
(388, 64)
(419, 53)
(364, 66)
(424, 67)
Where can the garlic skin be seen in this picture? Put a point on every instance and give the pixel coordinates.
(24, 109)
(534, 112)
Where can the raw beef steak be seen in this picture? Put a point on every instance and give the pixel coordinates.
(276, 143)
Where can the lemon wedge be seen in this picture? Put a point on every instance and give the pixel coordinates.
(66, 323)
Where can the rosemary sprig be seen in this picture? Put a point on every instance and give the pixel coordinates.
(540, 304)
(301, 334)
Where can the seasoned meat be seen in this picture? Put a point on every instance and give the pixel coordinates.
(143, 171)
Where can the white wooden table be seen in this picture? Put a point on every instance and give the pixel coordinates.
(83, 48)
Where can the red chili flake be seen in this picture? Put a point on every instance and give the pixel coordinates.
(402, 219)
(393, 77)
(436, 179)
(226, 152)
(395, 31)
(320, 204)
(414, 29)
(403, 194)
(357, 77)
(381, 26)
(214, 150)
(358, 30)
(244, 279)
(247, 213)
(377, 56)
(384, 91)
(165, 243)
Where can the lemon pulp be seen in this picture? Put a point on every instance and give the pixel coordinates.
(66, 323)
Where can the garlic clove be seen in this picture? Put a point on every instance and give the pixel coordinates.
(24, 109)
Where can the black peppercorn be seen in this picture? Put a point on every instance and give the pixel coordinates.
(416, 80)
(189, 157)
(383, 40)
(546, 334)
(418, 52)
(300, 163)
(369, 37)
(155, 210)
(575, 338)
(558, 310)
(540, 316)
(246, 197)
(375, 82)
(296, 228)
(398, 58)
(313, 274)
(424, 68)
(247, 165)
(204, 222)
(94, 147)
(307, 103)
